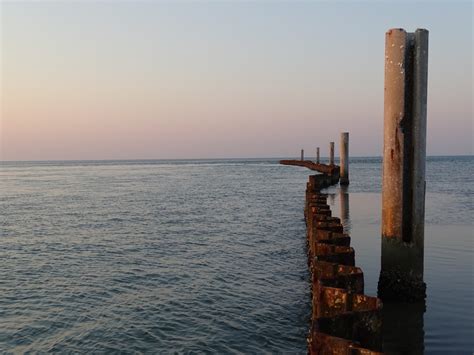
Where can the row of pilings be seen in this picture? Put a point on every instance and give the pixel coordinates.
(344, 159)
(343, 319)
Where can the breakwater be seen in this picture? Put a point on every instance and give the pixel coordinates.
(343, 319)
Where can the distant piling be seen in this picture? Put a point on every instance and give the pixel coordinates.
(302, 154)
(317, 155)
(404, 156)
(344, 163)
(331, 153)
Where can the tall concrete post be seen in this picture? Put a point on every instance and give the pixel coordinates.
(317, 155)
(302, 154)
(344, 158)
(331, 153)
(403, 180)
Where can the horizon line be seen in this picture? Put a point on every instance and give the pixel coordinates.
(188, 159)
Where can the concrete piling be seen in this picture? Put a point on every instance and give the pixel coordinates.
(344, 163)
(331, 153)
(404, 156)
(317, 155)
(302, 154)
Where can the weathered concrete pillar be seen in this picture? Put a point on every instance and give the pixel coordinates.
(403, 181)
(344, 163)
(302, 154)
(317, 155)
(331, 153)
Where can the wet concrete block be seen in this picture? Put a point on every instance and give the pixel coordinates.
(349, 278)
(365, 327)
(316, 211)
(324, 344)
(316, 196)
(328, 237)
(326, 217)
(333, 227)
(334, 253)
(340, 313)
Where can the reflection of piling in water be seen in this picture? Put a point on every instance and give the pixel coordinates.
(403, 181)
(332, 198)
(402, 326)
(344, 201)
(344, 153)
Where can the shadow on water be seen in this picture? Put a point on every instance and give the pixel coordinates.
(402, 328)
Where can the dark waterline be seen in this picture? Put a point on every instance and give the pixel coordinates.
(203, 254)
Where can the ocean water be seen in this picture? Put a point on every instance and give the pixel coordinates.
(208, 256)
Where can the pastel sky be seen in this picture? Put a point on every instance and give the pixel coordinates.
(163, 79)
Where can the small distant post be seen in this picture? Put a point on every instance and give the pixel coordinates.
(317, 155)
(404, 156)
(302, 154)
(344, 158)
(331, 153)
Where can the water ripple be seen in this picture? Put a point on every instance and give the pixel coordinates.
(187, 257)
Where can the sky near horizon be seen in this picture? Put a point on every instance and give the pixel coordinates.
(162, 79)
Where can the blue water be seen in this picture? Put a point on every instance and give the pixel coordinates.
(203, 256)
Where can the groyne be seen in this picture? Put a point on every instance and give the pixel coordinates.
(329, 170)
(343, 319)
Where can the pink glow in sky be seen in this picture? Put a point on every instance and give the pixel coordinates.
(123, 80)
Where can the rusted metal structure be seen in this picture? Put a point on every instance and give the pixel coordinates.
(404, 156)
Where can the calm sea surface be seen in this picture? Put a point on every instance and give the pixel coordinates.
(208, 256)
